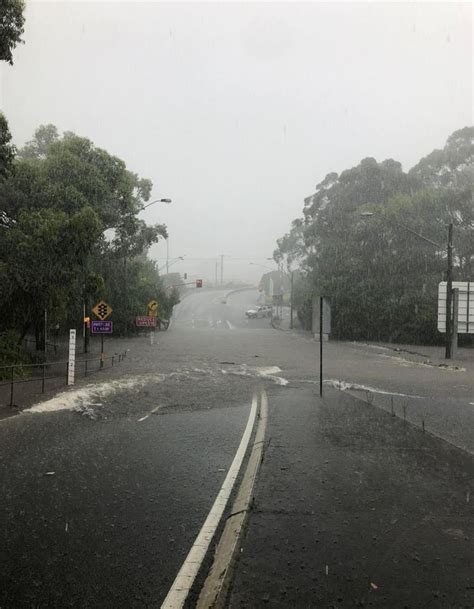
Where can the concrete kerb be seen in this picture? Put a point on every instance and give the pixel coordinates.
(216, 587)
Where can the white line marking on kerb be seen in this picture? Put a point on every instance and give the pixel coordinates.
(184, 580)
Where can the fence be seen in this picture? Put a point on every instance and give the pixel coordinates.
(47, 375)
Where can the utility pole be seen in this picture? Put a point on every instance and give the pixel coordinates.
(216, 274)
(167, 254)
(46, 334)
(291, 300)
(449, 294)
(222, 269)
(451, 340)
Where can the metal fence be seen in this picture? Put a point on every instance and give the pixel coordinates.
(25, 380)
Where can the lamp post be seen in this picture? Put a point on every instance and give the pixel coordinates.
(168, 264)
(449, 277)
(167, 201)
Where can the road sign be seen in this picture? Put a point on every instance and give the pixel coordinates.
(145, 321)
(102, 310)
(102, 327)
(153, 307)
(465, 306)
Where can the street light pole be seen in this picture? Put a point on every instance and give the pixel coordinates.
(449, 295)
(167, 201)
(291, 300)
(449, 278)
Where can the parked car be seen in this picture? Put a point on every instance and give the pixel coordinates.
(261, 311)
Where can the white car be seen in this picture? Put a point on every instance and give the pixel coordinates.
(261, 311)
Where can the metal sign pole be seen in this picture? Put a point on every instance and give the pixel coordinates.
(101, 350)
(454, 335)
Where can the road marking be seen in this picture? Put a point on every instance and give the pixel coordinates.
(147, 415)
(217, 582)
(184, 580)
(231, 327)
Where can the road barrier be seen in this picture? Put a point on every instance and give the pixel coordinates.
(47, 375)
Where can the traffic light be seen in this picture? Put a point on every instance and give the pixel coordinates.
(199, 283)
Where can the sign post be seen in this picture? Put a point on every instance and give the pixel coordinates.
(71, 368)
(102, 310)
(456, 317)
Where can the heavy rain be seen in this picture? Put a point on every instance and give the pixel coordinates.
(236, 305)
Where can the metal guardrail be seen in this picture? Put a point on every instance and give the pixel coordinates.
(59, 372)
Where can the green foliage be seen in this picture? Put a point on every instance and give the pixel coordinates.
(74, 236)
(12, 355)
(7, 150)
(11, 27)
(38, 147)
(382, 278)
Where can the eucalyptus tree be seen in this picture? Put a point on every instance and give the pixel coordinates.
(12, 22)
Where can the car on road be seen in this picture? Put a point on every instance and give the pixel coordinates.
(261, 311)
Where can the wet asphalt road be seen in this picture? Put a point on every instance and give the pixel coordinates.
(100, 504)
(136, 469)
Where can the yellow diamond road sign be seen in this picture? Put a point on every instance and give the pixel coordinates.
(153, 308)
(102, 310)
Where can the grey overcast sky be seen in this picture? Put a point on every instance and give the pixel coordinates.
(237, 111)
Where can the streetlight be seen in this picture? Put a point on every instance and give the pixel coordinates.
(168, 263)
(167, 201)
(262, 265)
(449, 276)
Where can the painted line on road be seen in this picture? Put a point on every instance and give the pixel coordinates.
(215, 589)
(231, 327)
(181, 586)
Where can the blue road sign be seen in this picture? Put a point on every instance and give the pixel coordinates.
(102, 327)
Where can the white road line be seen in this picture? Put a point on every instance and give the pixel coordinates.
(219, 577)
(184, 580)
(231, 327)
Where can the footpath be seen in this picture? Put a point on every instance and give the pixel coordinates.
(355, 508)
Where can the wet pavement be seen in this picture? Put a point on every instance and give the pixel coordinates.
(354, 508)
(139, 452)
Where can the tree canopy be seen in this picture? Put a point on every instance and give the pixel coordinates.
(355, 242)
(11, 27)
(72, 235)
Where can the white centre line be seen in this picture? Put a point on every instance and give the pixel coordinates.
(184, 580)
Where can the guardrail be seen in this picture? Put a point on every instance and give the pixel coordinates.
(46, 372)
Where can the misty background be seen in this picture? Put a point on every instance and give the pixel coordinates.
(237, 111)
